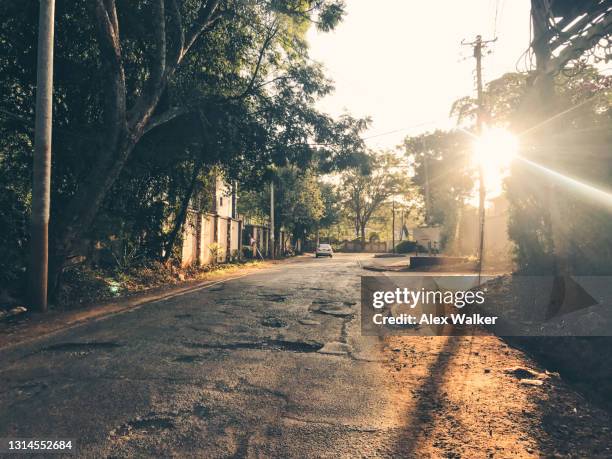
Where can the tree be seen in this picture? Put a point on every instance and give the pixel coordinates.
(556, 228)
(132, 108)
(363, 193)
(442, 174)
(331, 206)
(149, 94)
(574, 143)
(298, 202)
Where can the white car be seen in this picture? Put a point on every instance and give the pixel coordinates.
(324, 250)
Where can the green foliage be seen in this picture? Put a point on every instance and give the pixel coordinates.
(243, 98)
(502, 98)
(577, 145)
(14, 205)
(303, 203)
(443, 175)
(332, 212)
(363, 192)
(216, 251)
(299, 205)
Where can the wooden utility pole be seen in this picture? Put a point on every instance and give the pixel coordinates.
(427, 192)
(41, 182)
(478, 46)
(393, 226)
(272, 254)
(482, 190)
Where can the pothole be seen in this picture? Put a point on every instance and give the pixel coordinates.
(335, 348)
(272, 345)
(338, 311)
(82, 347)
(29, 389)
(202, 411)
(273, 322)
(183, 316)
(149, 424)
(334, 308)
(190, 358)
(273, 297)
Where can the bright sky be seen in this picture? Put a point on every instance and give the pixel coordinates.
(401, 61)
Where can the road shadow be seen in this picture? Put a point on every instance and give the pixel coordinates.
(421, 417)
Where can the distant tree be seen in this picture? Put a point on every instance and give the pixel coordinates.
(363, 193)
(442, 174)
(299, 205)
(332, 212)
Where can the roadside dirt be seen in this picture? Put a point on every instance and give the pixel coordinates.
(582, 360)
(478, 397)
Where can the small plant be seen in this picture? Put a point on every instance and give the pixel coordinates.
(216, 251)
(247, 251)
(127, 256)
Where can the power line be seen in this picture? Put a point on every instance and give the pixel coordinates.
(398, 130)
(495, 20)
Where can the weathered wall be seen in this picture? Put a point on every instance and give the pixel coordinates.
(369, 247)
(202, 232)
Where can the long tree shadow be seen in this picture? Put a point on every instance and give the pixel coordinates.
(421, 417)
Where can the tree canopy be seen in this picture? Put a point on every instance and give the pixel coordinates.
(148, 96)
(363, 192)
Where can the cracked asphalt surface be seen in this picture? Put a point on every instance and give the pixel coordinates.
(273, 365)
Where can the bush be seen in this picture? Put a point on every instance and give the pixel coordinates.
(247, 251)
(406, 247)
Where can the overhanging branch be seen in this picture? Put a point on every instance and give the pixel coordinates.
(578, 46)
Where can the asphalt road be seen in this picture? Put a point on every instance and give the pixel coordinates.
(268, 365)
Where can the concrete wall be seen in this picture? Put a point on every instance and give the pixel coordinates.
(427, 236)
(202, 231)
(190, 241)
(369, 247)
(235, 238)
(207, 238)
(262, 237)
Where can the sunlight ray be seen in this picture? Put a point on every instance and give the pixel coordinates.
(594, 194)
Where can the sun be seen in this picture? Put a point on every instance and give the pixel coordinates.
(494, 151)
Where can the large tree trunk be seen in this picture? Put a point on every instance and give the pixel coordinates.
(124, 128)
(182, 215)
(362, 230)
(81, 213)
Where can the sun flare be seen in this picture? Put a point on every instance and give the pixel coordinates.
(494, 151)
